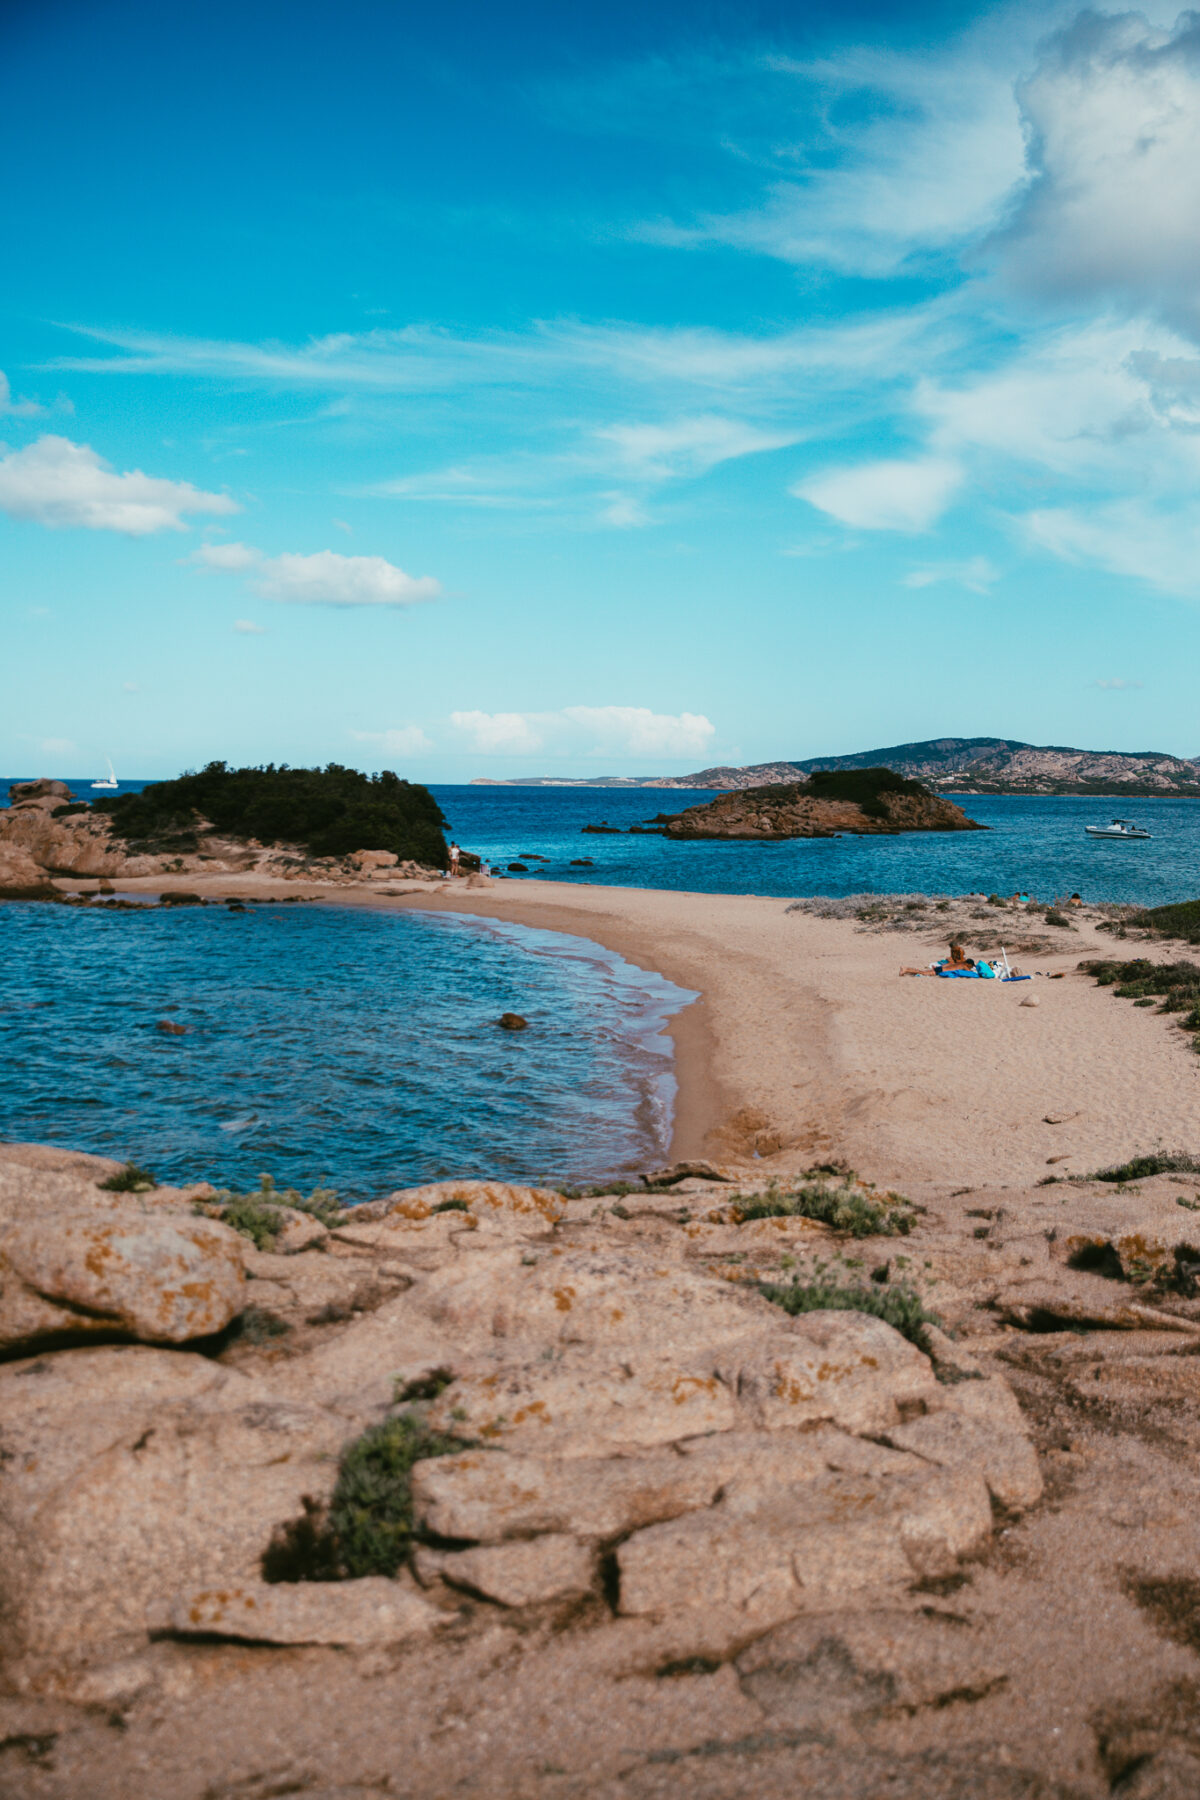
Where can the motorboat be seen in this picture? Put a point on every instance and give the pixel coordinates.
(1120, 828)
(112, 783)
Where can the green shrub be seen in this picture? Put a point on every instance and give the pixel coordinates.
(257, 1215)
(329, 812)
(1139, 1168)
(1054, 917)
(846, 1209)
(1179, 921)
(129, 1180)
(1176, 986)
(901, 1307)
(368, 1526)
(258, 1326)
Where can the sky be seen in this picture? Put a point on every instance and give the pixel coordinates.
(480, 391)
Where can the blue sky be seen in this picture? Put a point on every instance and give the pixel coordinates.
(482, 390)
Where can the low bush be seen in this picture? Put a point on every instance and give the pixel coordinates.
(129, 1180)
(846, 1208)
(367, 1527)
(1179, 921)
(1139, 1168)
(901, 1307)
(329, 812)
(1176, 986)
(258, 1216)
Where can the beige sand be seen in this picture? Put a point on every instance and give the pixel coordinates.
(805, 1044)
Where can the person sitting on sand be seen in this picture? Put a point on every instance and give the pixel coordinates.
(1075, 900)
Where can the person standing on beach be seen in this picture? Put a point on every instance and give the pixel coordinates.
(455, 853)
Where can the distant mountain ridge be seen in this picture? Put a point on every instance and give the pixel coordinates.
(982, 765)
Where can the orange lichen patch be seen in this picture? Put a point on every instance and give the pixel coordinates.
(412, 1209)
(536, 1410)
(563, 1297)
(789, 1389)
(687, 1387)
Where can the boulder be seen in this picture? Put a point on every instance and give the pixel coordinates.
(357, 1614)
(776, 1552)
(521, 1210)
(370, 860)
(21, 793)
(133, 1473)
(76, 1261)
(553, 1567)
(846, 1367)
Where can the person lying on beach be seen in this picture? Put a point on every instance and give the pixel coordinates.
(962, 966)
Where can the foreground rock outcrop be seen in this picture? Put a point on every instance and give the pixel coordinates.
(666, 1537)
(868, 802)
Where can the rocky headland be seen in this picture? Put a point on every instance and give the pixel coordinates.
(868, 802)
(46, 833)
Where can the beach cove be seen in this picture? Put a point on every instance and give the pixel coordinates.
(804, 1046)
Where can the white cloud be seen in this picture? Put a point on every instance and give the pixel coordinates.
(976, 573)
(16, 409)
(131, 687)
(58, 483)
(636, 731)
(885, 496)
(53, 746)
(614, 731)
(327, 579)
(1118, 685)
(324, 579)
(1113, 210)
(688, 446)
(227, 556)
(496, 734)
(248, 628)
(401, 740)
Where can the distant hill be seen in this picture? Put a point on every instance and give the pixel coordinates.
(982, 765)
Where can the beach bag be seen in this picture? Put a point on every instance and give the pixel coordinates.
(985, 971)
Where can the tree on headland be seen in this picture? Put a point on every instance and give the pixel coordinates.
(329, 812)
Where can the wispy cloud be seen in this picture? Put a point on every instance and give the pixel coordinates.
(13, 408)
(399, 740)
(976, 573)
(614, 731)
(57, 483)
(247, 628)
(1118, 685)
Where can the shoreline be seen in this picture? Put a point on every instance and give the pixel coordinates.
(805, 1048)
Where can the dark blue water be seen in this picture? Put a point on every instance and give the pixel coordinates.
(1036, 845)
(324, 1045)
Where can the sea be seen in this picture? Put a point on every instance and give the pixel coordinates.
(360, 1050)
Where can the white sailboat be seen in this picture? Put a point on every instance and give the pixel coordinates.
(112, 777)
(1120, 828)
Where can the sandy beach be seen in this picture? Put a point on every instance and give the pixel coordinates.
(805, 1045)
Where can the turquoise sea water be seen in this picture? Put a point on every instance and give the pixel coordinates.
(354, 1048)
(360, 1048)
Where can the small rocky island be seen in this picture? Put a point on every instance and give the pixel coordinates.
(866, 802)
